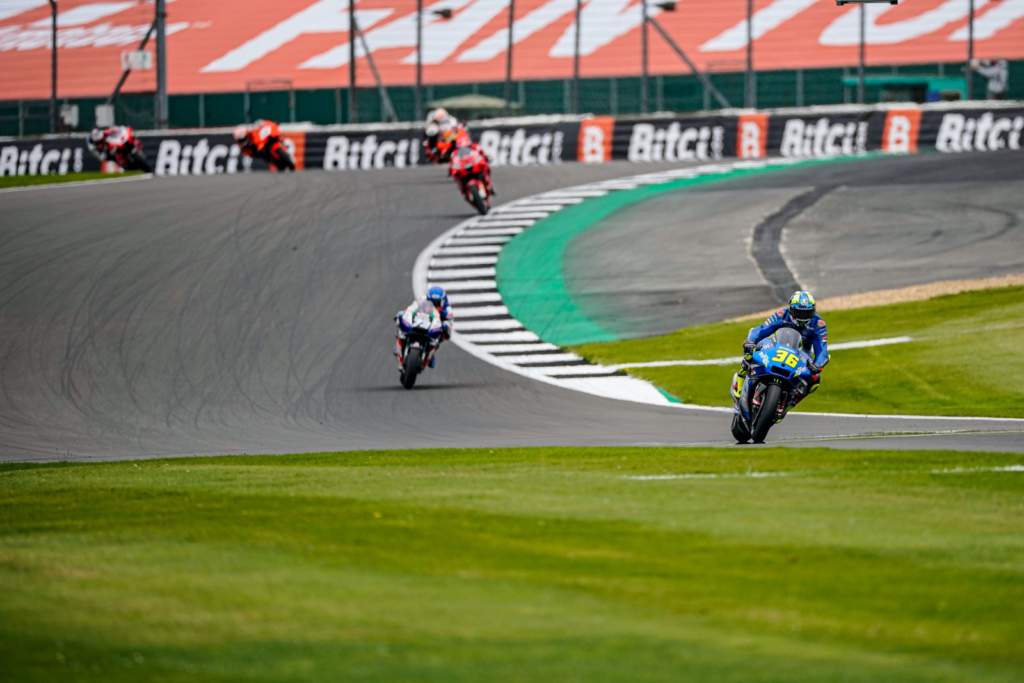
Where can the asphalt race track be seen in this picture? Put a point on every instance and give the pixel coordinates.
(232, 314)
(871, 224)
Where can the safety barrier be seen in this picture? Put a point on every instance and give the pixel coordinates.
(795, 133)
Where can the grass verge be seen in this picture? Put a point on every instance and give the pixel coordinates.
(517, 565)
(965, 359)
(52, 179)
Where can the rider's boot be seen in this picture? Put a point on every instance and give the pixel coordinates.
(433, 361)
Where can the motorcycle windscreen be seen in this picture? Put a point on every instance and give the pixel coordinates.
(789, 337)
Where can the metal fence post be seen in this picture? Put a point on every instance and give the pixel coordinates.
(860, 61)
(576, 60)
(969, 76)
(508, 56)
(644, 57)
(161, 64)
(751, 98)
(353, 113)
(418, 89)
(53, 66)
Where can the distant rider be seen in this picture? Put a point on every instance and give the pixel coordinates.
(103, 142)
(256, 140)
(443, 136)
(800, 315)
(439, 298)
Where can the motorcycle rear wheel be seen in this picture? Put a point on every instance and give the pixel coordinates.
(765, 417)
(411, 367)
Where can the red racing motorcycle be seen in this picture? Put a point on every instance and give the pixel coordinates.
(125, 150)
(472, 171)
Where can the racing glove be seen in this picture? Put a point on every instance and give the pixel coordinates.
(748, 348)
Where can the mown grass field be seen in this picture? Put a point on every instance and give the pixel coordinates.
(966, 358)
(27, 180)
(517, 565)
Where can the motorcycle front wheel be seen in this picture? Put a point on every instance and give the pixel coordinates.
(411, 366)
(139, 163)
(282, 160)
(765, 417)
(478, 202)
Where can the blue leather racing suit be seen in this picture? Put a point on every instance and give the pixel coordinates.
(445, 311)
(815, 334)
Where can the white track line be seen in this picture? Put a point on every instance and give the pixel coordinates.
(520, 336)
(457, 261)
(496, 240)
(736, 359)
(540, 358)
(469, 251)
(523, 348)
(464, 312)
(493, 232)
(464, 285)
(707, 475)
(78, 183)
(480, 325)
(482, 298)
(972, 470)
(460, 273)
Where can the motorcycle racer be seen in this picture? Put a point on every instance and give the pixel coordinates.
(443, 137)
(467, 160)
(438, 299)
(260, 140)
(800, 314)
(118, 145)
(103, 141)
(437, 296)
(438, 115)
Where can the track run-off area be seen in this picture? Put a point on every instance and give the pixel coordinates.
(253, 313)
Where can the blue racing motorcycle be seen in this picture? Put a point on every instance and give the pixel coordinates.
(778, 370)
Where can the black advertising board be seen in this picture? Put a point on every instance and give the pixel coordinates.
(753, 135)
(400, 148)
(46, 156)
(972, 130)
(685, 138)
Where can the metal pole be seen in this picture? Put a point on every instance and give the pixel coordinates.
(419, 61)
(860, 62)
(709, 87)
(124, 74)
(576, 61)
(751, 98)
(53, 66)
(970, 52)
(385, 101)
(161, 64)
(643, 51)
(353, 107)
(508, 55)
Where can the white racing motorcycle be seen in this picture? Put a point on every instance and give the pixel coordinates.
(419, 334)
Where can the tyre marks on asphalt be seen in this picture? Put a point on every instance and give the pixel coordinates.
(766, 245)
